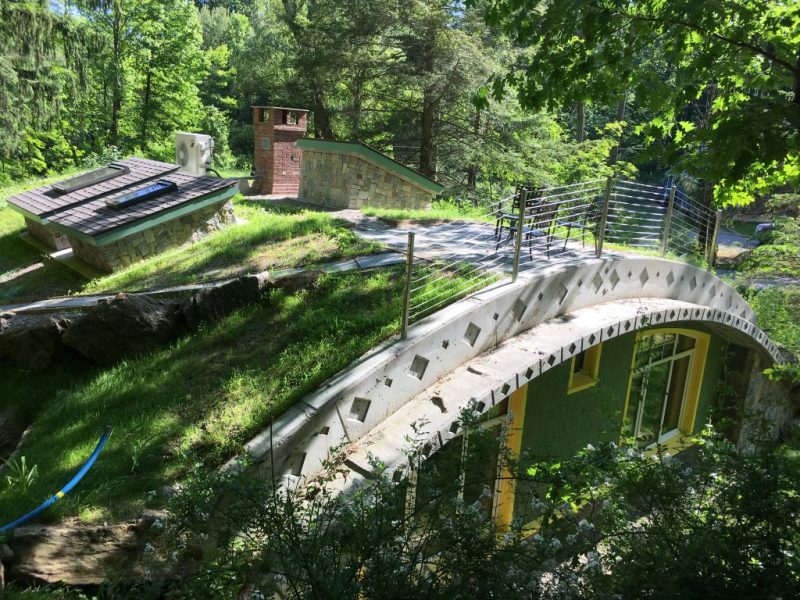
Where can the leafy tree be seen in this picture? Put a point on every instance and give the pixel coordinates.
(728, 110)
(612, 522)
(41, 65)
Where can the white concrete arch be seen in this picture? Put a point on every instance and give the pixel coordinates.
(518, 329)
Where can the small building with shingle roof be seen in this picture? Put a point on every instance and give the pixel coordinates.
(126, 211)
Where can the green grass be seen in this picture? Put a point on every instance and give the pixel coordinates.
(196, 401)
(26, 273)
(441, 210)
(268, 240)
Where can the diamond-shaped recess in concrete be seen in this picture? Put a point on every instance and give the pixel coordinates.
(471, 334)
(597, 282)
(562, 292)
(519, 308)
(712, 291)
(418, 367)
(614, 279)
(644, 276)
(359, 410)
(670, 278)
(692, 283)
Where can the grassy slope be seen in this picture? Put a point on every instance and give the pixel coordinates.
(268, 240)
(49, 278)
(198, 400)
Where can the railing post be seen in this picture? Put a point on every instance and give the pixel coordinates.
(523, 198)
(601, 227)
(711, 255)
(407, 289)
(668, 220)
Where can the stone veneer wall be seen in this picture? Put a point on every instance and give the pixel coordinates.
(189, 228)
(342, 180)
(49, 237)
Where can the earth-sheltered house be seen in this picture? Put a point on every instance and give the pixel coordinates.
(591, 351)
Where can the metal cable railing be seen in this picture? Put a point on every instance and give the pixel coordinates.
(535, 227)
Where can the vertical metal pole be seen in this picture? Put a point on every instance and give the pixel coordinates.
(601, 226)
(668, 221)
(523, 198)
(712, 247)
(407, 290)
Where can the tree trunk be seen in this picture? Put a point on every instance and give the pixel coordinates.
(612, 159)
(116, 96)
(427, 145)
(580, 121)
(472, 170)
(145, 108)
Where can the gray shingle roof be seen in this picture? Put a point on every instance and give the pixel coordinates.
(85, 210)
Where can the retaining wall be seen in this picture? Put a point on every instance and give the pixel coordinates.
(192, 227)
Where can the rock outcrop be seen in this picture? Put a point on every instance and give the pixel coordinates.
(127, 325)
(31, 341)
(77, 554)
(215, 303)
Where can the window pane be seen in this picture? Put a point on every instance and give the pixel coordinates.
(481, 467)
(685, 343)
(439, 476)
(677, 387)
(650, 426)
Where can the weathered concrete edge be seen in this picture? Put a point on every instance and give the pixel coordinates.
(371, 261)
(298, 441)
(486, 380)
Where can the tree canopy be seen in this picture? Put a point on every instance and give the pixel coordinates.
(719, 80)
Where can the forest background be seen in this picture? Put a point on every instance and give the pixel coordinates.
(84, 82)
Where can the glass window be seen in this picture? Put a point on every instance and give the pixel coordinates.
(90, 178)
(659, 389)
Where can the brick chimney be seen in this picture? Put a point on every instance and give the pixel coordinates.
(277, 157)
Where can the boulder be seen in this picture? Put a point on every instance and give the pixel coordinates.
(31, 341)
(123, 327)
(73, 553)
(217, 302)
(291, 284)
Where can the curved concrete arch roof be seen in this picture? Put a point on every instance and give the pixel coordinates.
(476, 352)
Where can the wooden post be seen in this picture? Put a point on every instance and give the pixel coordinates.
(523, 200)
(407, 290)
(601, 226)
(712, 246)
(668, 221)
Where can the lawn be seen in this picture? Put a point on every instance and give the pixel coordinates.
(196, 401)
(24, 271)
(266, 239)
(441, 210)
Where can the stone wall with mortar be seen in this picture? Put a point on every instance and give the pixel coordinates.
(342, 180)
(189, 228)
(49, 237)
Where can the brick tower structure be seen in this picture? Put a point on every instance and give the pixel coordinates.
(277, 157)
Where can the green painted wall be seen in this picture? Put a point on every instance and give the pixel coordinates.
(557, 425)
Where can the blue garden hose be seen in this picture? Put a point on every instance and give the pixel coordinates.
(64, 490)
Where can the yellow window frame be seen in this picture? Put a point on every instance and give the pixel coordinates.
(694, 383)
(589, 375)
